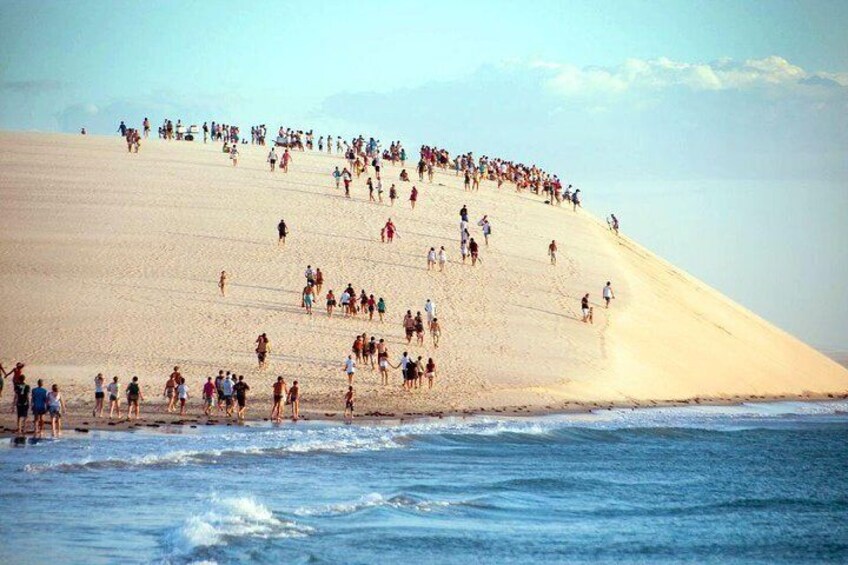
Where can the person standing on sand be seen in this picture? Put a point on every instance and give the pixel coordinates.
(435, 332)
(240, 389)
(39, 407)
(337, 176)
(413, 197)
(308, 298)
(430, 310)
(431, 259)
(209, 390)
(487, 228)
(381, 308)
(552, 250)
(282, 232)
(347, 178)
(234, 154)
(608, 294)
(331, 303)
(419, 329)
(55, 406)
(294, 400)
(99, 395)
(222, 283)
(263, 348)
(443, 258)
(391, 230)
(430, 372)
(134, 396)
(584, 307)
(280, 392)
(408, 326)
(350, 368)
(474, 249)
(348, 411)
(319, 282)
(182, 394)
(575, 200)
(21, 402)
(392, 195)
(169, 390)
(272, 159)
(219, 391)
(287, 158)
(114, 398)
(227, 388)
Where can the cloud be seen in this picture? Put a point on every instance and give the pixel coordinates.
(31, 86)
(774, 73)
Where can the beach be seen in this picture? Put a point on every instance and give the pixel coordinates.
(109, 264)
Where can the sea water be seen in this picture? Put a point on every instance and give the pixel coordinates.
(754, 483)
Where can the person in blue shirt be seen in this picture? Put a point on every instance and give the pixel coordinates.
(39, 406)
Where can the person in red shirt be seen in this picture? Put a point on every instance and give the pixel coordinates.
(209, 391)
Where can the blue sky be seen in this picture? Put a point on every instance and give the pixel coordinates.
(717, 131)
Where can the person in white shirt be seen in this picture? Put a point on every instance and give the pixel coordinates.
(227, 390)
(430, 308)
(272, 159)
(443, 258)
(182, 394)
(114, 398)
(608, 293)
(350, 369)
(431, 258)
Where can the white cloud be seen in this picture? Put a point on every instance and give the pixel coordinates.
(656, 74)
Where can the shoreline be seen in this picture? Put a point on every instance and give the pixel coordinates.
(76, 423)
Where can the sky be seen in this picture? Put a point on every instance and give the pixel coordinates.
(717, 131)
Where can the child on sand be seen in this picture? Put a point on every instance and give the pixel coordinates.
(349, 397)
(552, 250)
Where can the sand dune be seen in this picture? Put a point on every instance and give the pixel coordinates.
(109, 262)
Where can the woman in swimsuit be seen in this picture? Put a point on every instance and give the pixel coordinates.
(331, 303)
(430, 371)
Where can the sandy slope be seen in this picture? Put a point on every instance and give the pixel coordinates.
(109, 262)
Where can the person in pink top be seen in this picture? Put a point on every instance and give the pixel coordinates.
(413, 197)
(208, 395)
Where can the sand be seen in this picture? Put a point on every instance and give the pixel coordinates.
(109, 263)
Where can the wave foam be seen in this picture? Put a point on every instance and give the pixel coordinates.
(377, 500)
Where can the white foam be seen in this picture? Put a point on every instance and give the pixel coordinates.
(374, 500)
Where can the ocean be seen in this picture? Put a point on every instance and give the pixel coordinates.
(765, 483)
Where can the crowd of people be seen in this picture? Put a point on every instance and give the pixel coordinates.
(228, 392)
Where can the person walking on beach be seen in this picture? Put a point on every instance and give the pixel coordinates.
(55, 407)
(21, 402)
(552, 251)
(234, 154)
(222, 283)
(413, 197)
(99, 395)
(435, 332)
(169, 391)
(219, 390)
(408, 326)
(392, 195)
(331, 303)
(430, 310)
(608, 294)
(240, 389)
(272, 159)
(227, 388)
(348, 411)
(319, 282)
(182, 395)
(337, 176)
(282, 232)
(390, 230)
(286, 160)
(585, 308)
(114, 398)
(487, 228)
(381, 308)
(430, 372)
(474, 249)
(209, 390)
(346, 179)
(443, 258)
(263, 347)
(39, 407)
(280, 392)
(294, 401)
(308, 297)
(134, 396)
(431, 259)
(350, 368)
(419, 328)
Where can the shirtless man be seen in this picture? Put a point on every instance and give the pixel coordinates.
(280, 392)
(294, 400)
(584, 307)
(349, 398)
(409, 326)
(552, 250)
(435, 331)
(263, 347)
(169, 391)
